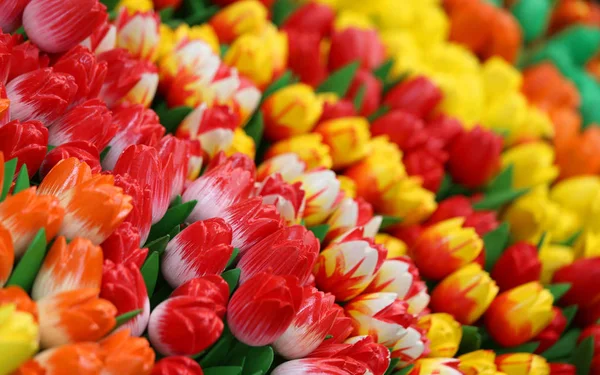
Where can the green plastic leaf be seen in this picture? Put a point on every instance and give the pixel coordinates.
(495, 242)
(201, 16)
(22, 182)
(223, 370)
(339, 81)
(171, 118)
(233, 256)
(389, 221)
(360, 97)
(158, 245)
(392, 366)
(286, 79)
(9, 171)
(503, 181)
(383, 70)
(564, 346)
(176, 202)
(124, 318)
(166, 14)
(528, 347)
(174, 216)
(471, 339)
(320, 231)
(381, 111)
(232, 277)
(558, 290)
(104, 153)
(496, 200)
(50, 148)
(258, 359)
(110, 4)
(218, 353)
(149, 272)
(582, 356)
(255, 127)
(175, 231)
(282, 9)
(569, 313)
(26, 270)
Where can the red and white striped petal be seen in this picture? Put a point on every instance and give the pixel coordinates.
(412, 346)
(288, 165)
(322, 194)
(138, 32)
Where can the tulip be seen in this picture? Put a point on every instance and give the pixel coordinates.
(79, 357)
(123, 285)
(68, 267)
(577, 194)
(475, 157)
(322, 366)
(219, 188)
(407, 199)
(24, 58)
(81, 150)
(138, 32)
(213, 127)
(554, 257)
(443, 129)
(14, 295)
(7, 45)
(234, 161)
(412, 346)
(533, 164)
(581, 274)
(341, 328)
(7, 253)
(102, 39)
(479, 362)
(352, 213)
(443, 332)
(518, 315)
(334, 107)
(288, 251)
(288, 165)
(246, 99)
(136, 125)
(456, 206)
(252, 56)
(140, 215)
(347, 138)
(356, 44)
(317, 18)
(309, 148)
(123, 246)
(12, 13)
(306, 57)
(26, 141)
(25, 213)
(4, 106)
(347, 267)
(359, 348)
(364, 81)
(519, 264)
(177, 365)
(262, 308)
(418, 96)
(74, 316)
(128, 81)
(522, 364)
(179, 159)
(445, 247)
(41, 95)
(242, 143)
(57, 26)
(126, 355)
(428, 164)
(566, 369)
(19, 333)
(465, 294)
(395, 246)
(65, 175)
(482, 221)
(246, 16)
(309, 327)
(322, 194)
(403, 128)
(551, 334)
(287, 198)
(89, 74)
(380, 315)
(211, 289)
(441, 366)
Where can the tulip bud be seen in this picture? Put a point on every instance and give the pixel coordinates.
(380, 315)
(7, 253)
(177, 159)
(177, 365)
(25, 213)
(465, 294)
(317, 18)
(353, 44)
(322, 195)
(456, 206)
(242, 143)
(307, 57)
(479, 362)
(89, 74)
(123, 285)
(403, 128)
(412, 346)
(445, 247)
(25, 57)
(128, 81)
(74, 316)
(41, 95)
(347, 139)
(443, 332)
(551, 334)
(242, 17)
(140, 215)
(519, 264)
(7, 44)
(320, 366)
(482, 221)
(309, 148)
(568, 369)
(136, 125)
(407, 199)
(289, 251)
(371, 98)
(81, 150)
(428, 164)
(211, 289)
(288, 165)
(26, 141)
(19, 333)
(12, 14)
(522, 363)
(334, 107)
(582, 275)
(291, 111)
(441, 366)
(362, 349)
(418, 96)
(554, 257)
(395, 246)
(80, 357)
(352, 213)
(252, 56)
(102, 39)
(518, 315)
(126, 355)
(533, 164)
(287, 198)
(443, 129)
(57, 26)
(65, 175)
(123, 246)
(309, 327)
(219, 188)
(475, 157)
(263, 308)
(138, 32)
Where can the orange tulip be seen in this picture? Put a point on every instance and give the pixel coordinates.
(582, 157)
(65, 175)
(126, 355)
(82, 359)
(7, 253)
(16, 295)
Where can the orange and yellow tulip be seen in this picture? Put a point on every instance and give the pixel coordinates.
(479, 362)
(522, 364)
(239, 18)
(438, 366)
(18, 297)
(81, 358)
(395, 246)
(444, 334)
(309, 147)
(347, 137)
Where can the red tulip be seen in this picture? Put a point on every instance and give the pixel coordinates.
(592, 331)
(7, 43)
(404, 129)
(443, 129)
(26, 57)
(317, 18)
(564, 369)
(418, 96)
(89, 74)
(456, 206)
(136, 126)
(27, 141)
(360, 348)
(337, 109)
(287, 198)
(102, 39)
(177, 365)
(341, 328)
(58, 25)
(123, 246)
(11, 14)
(322, 366)
(288, 251)
(81, 150)
(408, 234)
(304, 56)
(354, 44)
(482, 221)
(583, 275)
(551, 334)
(42, 95)
(427, 163)
(179, 159)
(203, 248)
(519, 264)
(262, 308)
(211, 289)
(475, 157)
(140, 215)
(123, 285)
(237, 160)
(365, 81)
(162, 4)
(90, 121)
(183, 316)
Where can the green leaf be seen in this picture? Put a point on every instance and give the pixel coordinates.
(9, 171)
(161, 294)
(22, 182)
(564, 346)
(471, 339)
(495, 242)
(255, 127)
(383, 70)
(503, 181)
(174, 216)
(26, 270)
(175, 231)
(558, 290)
(496, 200)
(381, 111)
(390, 84)
(202, 16)
(528, 347)
(232, 277)
(389, 221)
(320, 231)
(582, 356)
(158, 245)
(166, 14)
(328, 337)
(223, 370)
(282, 9)
(124, 318)
(104, 153)
(571, 240)
(176, 202)
(150, 272)
(392, 366)
(258, 359)
(359, 97)
(50, 148)
(233, 257)
(110, 4)
(542, 241)
(223, 48)
(405, 370)
(286, 79)
(171, 118)
(339, 81)
(217, 355)
(569, 313)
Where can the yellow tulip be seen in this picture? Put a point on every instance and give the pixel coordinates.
(500, 78)
(444, 334)
(19, 338)
(347, 19)
(309, 147)
(522, 364)
(587, 245)
(407, 199)
(348, 139)
(348, 186)
(554, 257)
(479, 362)
(533, 164)
(242, 143)
(135, 5)
(251, 58)
(580, 194)
(395, 247)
